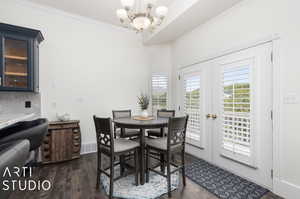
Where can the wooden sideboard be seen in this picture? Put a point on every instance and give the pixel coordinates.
(62, 142)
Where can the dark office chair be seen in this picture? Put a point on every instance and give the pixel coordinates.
(12, 154)
(34, 131)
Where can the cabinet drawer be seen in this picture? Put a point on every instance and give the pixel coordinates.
(63, 126)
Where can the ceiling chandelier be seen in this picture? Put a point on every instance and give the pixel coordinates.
(141, 15)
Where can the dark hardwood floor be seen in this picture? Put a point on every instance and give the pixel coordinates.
(76, 180)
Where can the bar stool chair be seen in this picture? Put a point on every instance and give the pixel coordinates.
(157, 133)
(163, 113)
(174, 142)
(112, 148)
(128, 133)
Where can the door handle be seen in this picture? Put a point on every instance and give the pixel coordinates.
(208, 116)
(214, 116)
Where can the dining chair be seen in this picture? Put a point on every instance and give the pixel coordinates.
(163, 113)
(128, 133)
(174, 142)
(111, 147)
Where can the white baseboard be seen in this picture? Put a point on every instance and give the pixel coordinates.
(87, 148)
(197, 152)
(286, 189)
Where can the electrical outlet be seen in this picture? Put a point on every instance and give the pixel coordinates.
(28, 104)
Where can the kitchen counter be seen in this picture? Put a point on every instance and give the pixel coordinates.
(9, 119)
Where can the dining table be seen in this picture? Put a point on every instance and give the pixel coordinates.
(143, 125)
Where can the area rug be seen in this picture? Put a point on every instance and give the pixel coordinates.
(222, 183)
(126, 188)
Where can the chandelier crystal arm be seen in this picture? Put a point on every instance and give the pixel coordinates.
(130, 15)
(149, 10)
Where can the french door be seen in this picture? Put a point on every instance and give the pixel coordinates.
(229, 100)
(194, 101)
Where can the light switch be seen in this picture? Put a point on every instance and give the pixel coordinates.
(291, 98)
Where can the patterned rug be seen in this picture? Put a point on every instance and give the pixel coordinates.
(126, 188)
(223, 184)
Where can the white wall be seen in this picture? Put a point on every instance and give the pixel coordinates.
(249, 21)
(91, 68)
(86, 67)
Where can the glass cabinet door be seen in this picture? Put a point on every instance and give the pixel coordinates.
(15, 63)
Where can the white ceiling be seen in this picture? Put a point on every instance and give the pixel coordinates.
(101, 10)
(185, 17)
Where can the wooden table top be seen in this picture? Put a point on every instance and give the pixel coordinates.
(132, 123)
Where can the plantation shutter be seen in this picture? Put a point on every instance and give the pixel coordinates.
(192, 107)
(236, 117)
(159, 92)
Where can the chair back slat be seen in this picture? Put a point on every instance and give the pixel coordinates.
(121, 114)
(177, 131)
(104, 133)
(163, 113)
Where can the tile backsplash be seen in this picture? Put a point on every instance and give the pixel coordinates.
(14, 103)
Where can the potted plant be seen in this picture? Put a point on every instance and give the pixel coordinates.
(143, 101)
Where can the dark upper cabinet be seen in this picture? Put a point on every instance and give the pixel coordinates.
(19, 58)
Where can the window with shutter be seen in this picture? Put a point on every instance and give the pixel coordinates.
(236, 118)
(159, 92)
(192, 106)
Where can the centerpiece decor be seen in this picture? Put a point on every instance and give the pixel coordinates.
(143, 101)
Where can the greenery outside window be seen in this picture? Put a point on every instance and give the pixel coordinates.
(159, 84)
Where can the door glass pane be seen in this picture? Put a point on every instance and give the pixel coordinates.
(236, 110)
(192, 106)
(16, 62)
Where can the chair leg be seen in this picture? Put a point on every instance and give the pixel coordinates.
(98, 170)
(173, 157)
(122, 168)
(111, 185)
(115, 132)
(147, 164)
(136, 161)
(183, 168)
(162, 132)
(36, 156)
(169, 175)
(162, 161)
